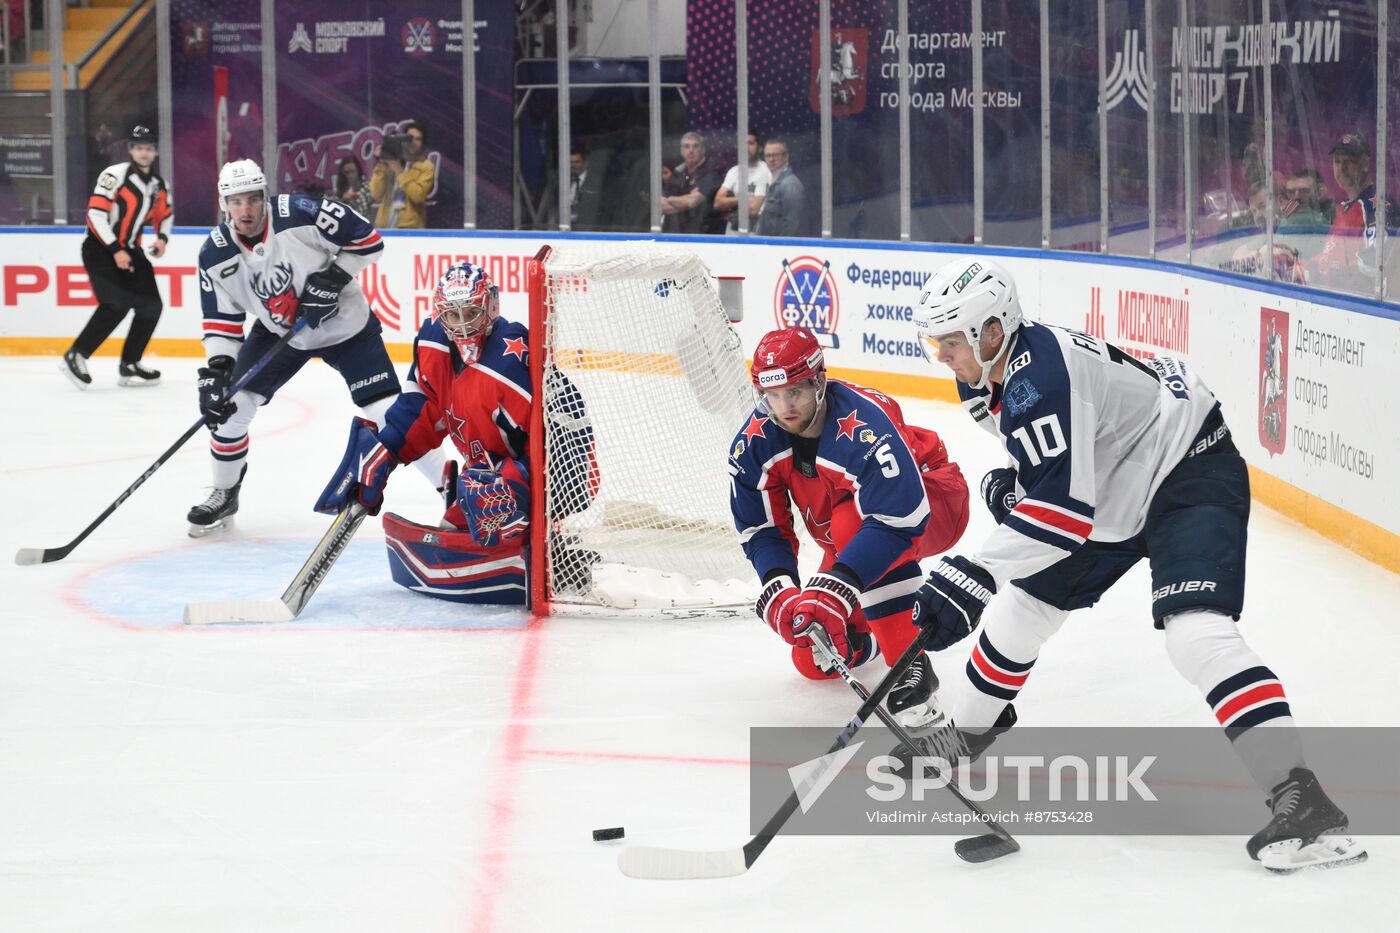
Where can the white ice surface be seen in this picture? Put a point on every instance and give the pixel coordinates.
(390, 762)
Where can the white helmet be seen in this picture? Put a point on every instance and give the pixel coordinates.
(238, 178)
(960, 298)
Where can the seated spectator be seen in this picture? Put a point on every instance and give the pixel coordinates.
(401, 183)
(1348, 259)
(693, 210)
(1303, 204)
(727, 203)
(784, 210)
(352, 188)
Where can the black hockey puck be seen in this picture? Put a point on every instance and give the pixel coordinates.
(607, 835)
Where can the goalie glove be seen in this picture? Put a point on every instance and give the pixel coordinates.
(496, 504)
(320, 296)
(951, 600)
(363, 471)
(776, 604)
(827, 601)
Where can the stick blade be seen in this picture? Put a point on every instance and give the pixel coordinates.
(653, 863)
(237, 610)
(985, 848)
(26, 556)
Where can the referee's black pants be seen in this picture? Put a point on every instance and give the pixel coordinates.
(119, 291)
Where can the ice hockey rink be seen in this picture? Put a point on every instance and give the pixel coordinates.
(390, 762)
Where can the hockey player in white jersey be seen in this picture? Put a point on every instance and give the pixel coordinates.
(281, 259)
(1115, 459)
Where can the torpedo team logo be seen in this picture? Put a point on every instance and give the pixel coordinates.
(276, 294)
(805, 296)
(1273, 380)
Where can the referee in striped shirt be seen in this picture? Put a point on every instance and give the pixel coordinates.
(127, 195)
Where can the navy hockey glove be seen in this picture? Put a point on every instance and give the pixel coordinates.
(213, 385)
(496, 504)
(777, 603)
(999, 492)
(362, 473)
(828, 601)
(951, 600)
(320, 296)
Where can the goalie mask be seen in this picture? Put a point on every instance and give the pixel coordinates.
(961, 298)
(467, 304)
(788, 358)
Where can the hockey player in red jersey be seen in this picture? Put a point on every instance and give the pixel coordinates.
(1115, 459)
(470, 381)
(875, 493)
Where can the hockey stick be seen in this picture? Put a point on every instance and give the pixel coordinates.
(36, 555)
(982, 848)
(298, 594)
(676, 864)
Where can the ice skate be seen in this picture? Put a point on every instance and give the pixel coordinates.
(74, 366)
(215, 512)
(914, 703)
(1306, 831)
(135, 375)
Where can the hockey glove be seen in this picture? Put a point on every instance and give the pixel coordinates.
(951, 600)
(999, 492)
(828, 601)
(320, 296)
(496, 504)
(776, 604)
(362, 473)
(213, 385)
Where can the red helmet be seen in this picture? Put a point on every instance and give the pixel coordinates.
(788, 356)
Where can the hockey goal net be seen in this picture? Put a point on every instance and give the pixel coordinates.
(644, 387)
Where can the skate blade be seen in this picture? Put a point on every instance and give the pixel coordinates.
(1290, 856)
(204, 531)
(131, 382)
(63, 368)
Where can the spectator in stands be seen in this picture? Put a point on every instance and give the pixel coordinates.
(784, 210)
(1348, 259)
(693, 210)
(402, 180)
(727, 202)
(585, 191)
(352, 188)
(1304, 205)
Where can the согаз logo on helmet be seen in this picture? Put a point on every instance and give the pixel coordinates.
(805, 296)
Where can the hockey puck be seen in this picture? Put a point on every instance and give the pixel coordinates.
(607, 835)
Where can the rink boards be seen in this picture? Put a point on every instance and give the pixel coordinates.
(1301, 374)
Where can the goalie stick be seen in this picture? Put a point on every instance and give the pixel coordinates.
(654, 863)
(38, 555)
(298, 594)
(982, 848)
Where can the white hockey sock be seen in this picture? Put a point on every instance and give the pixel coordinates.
(228, 442)
(1014, 628)
(1207, 649)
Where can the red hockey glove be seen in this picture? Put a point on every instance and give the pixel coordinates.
(776, 604)
(827, 601)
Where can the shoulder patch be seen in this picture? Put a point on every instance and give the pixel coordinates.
(979, 410)
(108, 181)
(1021, 360)
(284, 205)
(228, 270)
(1021, 396)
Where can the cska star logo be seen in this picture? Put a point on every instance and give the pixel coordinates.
(754, 428)
(516, 348)
(848, 425)
(276, 294)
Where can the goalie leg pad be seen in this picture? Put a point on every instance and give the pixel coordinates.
(448, 564)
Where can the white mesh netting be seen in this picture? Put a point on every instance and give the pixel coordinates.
(639, 352)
